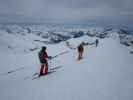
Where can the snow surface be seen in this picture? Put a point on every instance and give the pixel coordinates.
(104, 73)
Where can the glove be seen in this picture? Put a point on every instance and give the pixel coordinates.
(49, 57)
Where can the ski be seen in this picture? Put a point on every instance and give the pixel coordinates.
(36, 75)
(28, 77)
(50, 72)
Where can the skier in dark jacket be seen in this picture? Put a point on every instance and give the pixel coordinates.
(97, 42)
(80, 50)
(43, 57)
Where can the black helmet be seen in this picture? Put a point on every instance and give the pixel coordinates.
(44, 48)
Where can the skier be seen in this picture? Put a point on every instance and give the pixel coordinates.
(80, 50)
(43, 57)
(97, 42)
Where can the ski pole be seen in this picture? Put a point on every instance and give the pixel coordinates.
(59, 54)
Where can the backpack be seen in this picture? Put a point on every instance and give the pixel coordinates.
(80, 48)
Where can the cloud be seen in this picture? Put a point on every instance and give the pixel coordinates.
(66, 9)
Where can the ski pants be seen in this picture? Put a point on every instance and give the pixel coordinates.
(44, 69)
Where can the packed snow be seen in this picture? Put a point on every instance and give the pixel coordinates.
(104, 73)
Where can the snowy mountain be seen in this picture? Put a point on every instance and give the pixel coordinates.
(104, 73)
(51, 34)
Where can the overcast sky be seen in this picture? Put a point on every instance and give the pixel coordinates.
(115, 11)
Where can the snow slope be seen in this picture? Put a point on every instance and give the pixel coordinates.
(105, 72)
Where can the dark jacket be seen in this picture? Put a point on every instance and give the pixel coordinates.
(43, 57)
(80, 48)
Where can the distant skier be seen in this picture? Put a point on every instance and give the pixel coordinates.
(43, 57)
(97, 42)
(80, 50)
